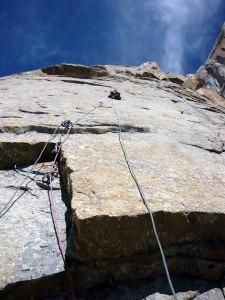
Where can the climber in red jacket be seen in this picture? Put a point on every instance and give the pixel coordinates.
(115, 95)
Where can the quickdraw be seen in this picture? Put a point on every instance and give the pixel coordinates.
(57, 147)
(67, 124)
(48, 178)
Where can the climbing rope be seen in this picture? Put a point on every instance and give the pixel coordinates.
(66, 124)
(10, 203)
(48, 179)
(144, 201)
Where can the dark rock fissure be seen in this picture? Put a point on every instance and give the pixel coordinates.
(81, 129)
(9, 117)
(12, 154)
(33, 112)
(213, 109)
(212, 150)
(84, 82)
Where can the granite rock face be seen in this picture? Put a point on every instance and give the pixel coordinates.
(212, 74)
(175, 141)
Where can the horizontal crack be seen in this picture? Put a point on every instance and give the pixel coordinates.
(194, 121)
(99, 129)
(213, 109)
(33, 112)
(213, 150)
(22, 153)
(84, 82)
(9, 117)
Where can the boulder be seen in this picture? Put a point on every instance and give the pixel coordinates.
(150, 70)
(192, 84)
(212, 95)
(175, 78)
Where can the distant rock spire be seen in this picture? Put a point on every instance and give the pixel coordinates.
(218, 50)
(212, 74)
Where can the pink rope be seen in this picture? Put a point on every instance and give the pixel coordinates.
(58, 235)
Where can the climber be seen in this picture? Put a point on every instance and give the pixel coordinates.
(115, 95)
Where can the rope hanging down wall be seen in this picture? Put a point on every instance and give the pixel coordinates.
(144, 200)
(10, 203)
(68, 125)
(47, 179)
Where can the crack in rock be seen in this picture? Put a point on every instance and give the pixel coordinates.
(95, 129)
(212, 150)
(84, 82)
(33, 112)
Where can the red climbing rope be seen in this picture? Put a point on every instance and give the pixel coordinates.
(54, 218)
(68, 125)
(48, 178)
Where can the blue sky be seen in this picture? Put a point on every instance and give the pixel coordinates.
(177, 34)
